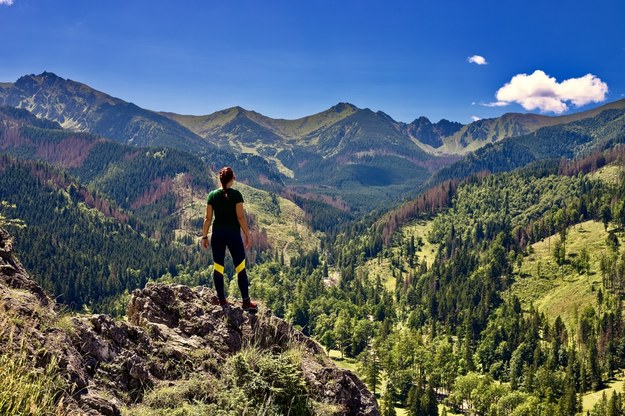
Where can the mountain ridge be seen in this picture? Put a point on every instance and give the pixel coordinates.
(443, 137)
(351, 155)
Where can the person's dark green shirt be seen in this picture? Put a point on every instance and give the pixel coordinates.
(224, 209)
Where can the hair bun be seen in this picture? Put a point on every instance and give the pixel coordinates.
(226, 174)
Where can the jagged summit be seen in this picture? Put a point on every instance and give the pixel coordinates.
(173, 336)
(343, 106)
(45, 76)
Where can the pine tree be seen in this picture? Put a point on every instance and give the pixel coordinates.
(568, 401)
(594, 367)
(614, 407)
(429, 405)
(413, 402)
(388, 401)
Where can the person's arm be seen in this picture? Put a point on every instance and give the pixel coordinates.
(243, 224)
(208, 219)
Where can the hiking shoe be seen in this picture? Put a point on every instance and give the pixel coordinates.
(249, 306)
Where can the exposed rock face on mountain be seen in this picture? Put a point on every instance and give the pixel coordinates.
(172, 333)
(79, 107)
(432, 134)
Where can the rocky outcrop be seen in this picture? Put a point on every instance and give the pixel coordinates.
(109, 363)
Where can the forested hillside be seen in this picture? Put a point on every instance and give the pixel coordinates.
(75, 242)
(457, 328)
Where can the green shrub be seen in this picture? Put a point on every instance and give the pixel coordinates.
(272, 384)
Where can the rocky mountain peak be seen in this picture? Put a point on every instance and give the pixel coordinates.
(422, 121)
(27, 82)
(340, 107)
(172, 334)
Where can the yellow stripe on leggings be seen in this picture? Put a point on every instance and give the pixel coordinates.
(219, 268)
(241, 266)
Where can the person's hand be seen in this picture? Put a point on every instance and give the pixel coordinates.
(248, 241)
(205, 243)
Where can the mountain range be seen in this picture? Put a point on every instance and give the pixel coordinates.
(345, 155)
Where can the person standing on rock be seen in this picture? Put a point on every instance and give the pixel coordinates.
(226, 205)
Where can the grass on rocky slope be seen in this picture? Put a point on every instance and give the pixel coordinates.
(27, 389)
(562, 290)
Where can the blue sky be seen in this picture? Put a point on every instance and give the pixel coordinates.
(457, 60)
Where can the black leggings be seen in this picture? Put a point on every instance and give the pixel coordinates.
(221, 239)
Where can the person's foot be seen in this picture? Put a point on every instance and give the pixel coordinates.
(249, 306)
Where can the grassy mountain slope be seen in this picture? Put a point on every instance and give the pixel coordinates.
(291, 130)
(363, 160)
(563, 290)
(386, 268)
(284, 222)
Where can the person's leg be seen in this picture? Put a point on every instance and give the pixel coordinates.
(218, 246)
(237, 250)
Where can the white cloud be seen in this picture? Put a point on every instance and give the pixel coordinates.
(539, 91)
(475, 118)
(477, 59)
(496, 104)
(6, 2)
